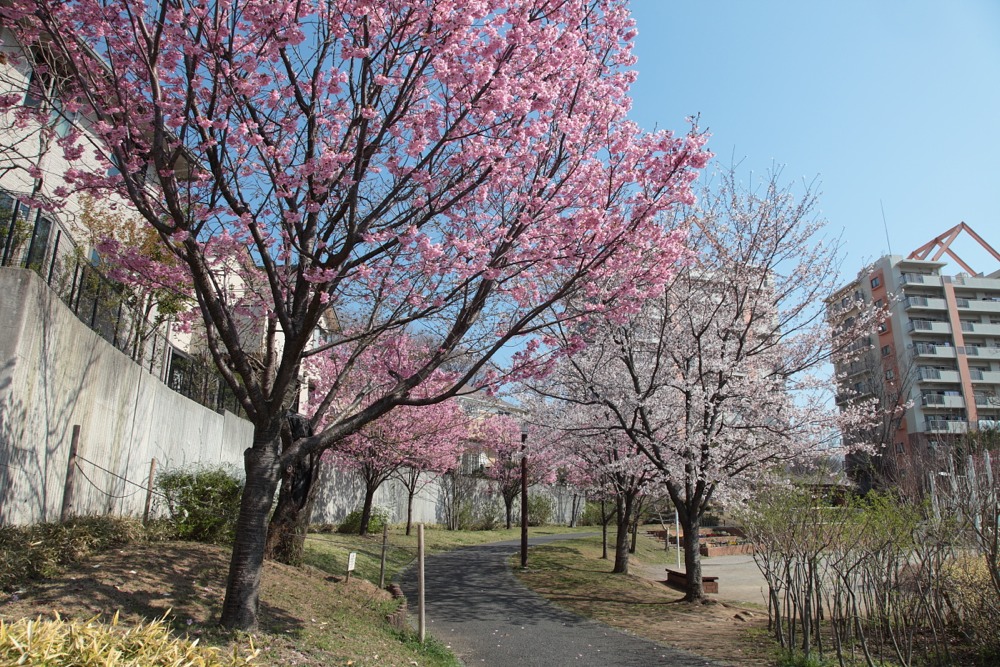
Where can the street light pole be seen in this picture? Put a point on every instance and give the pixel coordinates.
(524, 498)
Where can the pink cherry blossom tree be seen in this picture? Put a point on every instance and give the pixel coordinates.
(500, 437)
(405, 443)
(445, 430)
(457, 168)
(718, 381)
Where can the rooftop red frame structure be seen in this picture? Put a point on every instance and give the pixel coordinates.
(943, 245)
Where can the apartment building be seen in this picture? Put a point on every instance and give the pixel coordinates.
(938, 348)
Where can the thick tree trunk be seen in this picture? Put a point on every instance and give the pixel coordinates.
(508, 504)
(286, 535)
(239, 610)
(691, 523)
(623, 521)
(366, 510)
(574, 510)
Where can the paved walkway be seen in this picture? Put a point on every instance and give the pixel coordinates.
(476, 606)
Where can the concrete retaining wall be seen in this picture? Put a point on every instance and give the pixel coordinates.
(54, 373)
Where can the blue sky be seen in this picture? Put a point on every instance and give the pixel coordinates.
(880, 100)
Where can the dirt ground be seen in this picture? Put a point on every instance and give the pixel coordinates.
(732, 627)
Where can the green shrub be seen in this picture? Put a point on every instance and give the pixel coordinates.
(380, 517)
(39, 551)
(488, 514)
(591, 515)
(540, 510)
(61, 643)
(203, 503)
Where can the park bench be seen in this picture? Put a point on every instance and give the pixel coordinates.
(678, 578)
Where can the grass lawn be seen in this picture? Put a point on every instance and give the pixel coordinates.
(573, 575)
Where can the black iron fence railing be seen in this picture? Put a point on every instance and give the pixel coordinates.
(31, 239)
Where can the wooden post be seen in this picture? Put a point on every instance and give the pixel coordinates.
(524, 501)
(385, 543)
(67, 503)
(149, 491)
(677, 535)
(421, 620)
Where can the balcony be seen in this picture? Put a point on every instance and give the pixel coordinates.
(925, 303)
(942, 401)
(984, 328)
(937, 375)
(945, 426)
(991, 305)
(928, 326)
(930, 350)
(987, 377)
(919, 279)
(982, 352)
(984, 400)
(986, 284)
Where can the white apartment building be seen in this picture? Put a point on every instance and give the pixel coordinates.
(938, 348)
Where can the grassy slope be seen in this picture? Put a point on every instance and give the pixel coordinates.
(308, 616)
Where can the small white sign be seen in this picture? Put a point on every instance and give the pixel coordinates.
(351, 559)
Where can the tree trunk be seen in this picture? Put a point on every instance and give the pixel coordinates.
(239, 609)
(691, 523)
(410, 492)
(509, 507)
(623, 521)
(366, 510)
(286, 535)
(574, 510)
(604, 531)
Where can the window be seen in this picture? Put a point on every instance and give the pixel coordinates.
(890, 374)
(876, 282)
(900, 449)
(878, 303)
(39, 84)
(886, 350)
(883, 327)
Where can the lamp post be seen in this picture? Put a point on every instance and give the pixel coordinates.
(524, 497)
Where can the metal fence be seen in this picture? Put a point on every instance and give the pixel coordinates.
(31, 239)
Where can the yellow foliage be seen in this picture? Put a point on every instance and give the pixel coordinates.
(64, 643)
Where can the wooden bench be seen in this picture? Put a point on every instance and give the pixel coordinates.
(678, 578)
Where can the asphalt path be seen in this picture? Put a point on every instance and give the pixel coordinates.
(477, 607)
